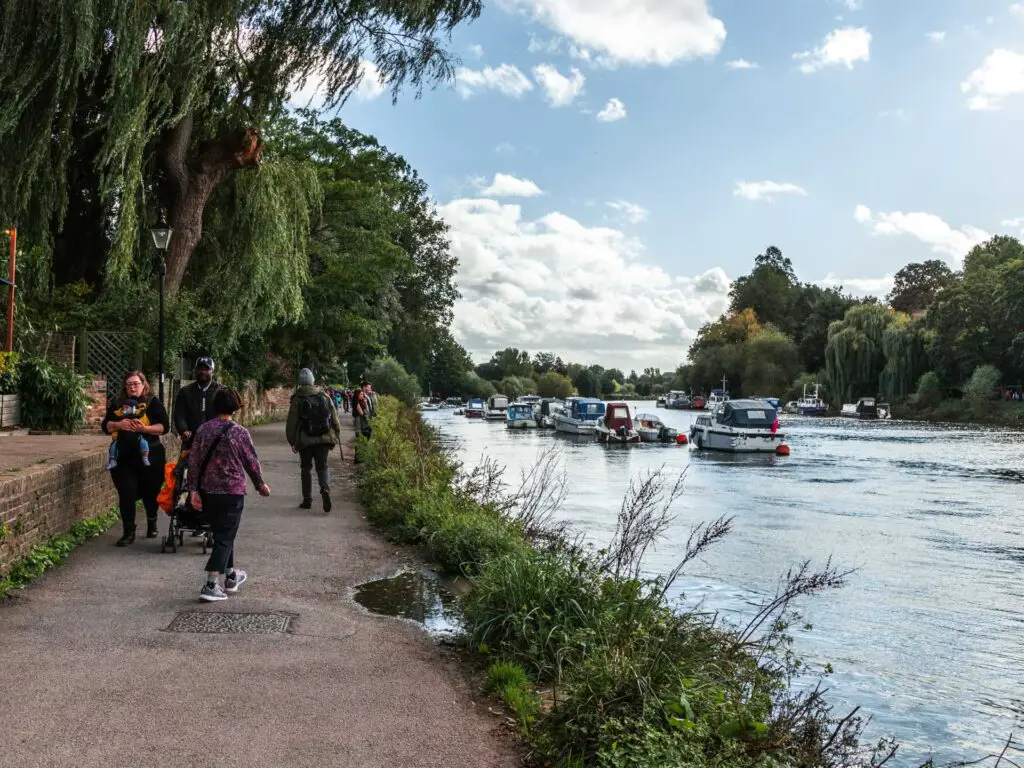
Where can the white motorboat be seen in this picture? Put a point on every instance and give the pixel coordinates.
(497, 405)
(616, 426)
(580, 416)
(738, 426)
(866, 408)
(521, 416)
(811, 404)
(426, 405)
(546, 410)
(653, 430)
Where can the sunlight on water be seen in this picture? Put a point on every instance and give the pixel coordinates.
(929, 635)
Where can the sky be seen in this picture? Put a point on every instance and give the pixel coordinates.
(607, 167)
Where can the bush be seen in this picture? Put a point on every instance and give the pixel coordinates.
(517, 386)
(52, 396)
(983, 384)
(929, 390)
(473, 386)
(389, 378)
(8, 373)
(554, 384)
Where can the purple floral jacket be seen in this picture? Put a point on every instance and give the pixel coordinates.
(233, 458)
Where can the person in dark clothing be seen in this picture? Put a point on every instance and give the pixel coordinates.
(133, 479)
(193, 405)
(217, 468)
(313, 429)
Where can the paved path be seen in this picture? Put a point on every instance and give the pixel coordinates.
(89, 676)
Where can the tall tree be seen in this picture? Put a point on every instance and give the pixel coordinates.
(855, 355)
(177, 95)
(771, 290)
(917, 284)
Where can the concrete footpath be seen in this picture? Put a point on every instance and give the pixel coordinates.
(92, 672)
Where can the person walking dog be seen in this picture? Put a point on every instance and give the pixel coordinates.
(313, 429)
(222, 455)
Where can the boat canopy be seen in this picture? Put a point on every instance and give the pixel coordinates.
(649, 420)
(476, 403)
(750, 414)
(520, 411)
(498, 402)
(587, 408)
(617, 415)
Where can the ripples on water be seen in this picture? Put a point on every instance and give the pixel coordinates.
(929, 635)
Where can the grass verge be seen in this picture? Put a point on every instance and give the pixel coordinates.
(43, 557)
(584, 649)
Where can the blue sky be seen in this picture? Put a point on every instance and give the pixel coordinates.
(859, 136)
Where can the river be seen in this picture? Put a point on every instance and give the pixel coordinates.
(928, 636)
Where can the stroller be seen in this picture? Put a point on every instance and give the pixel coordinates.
(177, 504)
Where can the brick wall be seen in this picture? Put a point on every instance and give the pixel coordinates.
(41, 501)
(259, 407)
(96, 389)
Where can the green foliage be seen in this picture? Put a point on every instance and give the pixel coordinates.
(554, 384)
(903, 344)
(929, 390)
(52, 396)
(504, 363)
(771, 362)
(473, 386)
(449, 364)
(517, 386)
(587, 382)
(8, 373)
(984, 384)
(42, 557)
(510, 683)
(916, 285)
(389, 378)
(855, 356)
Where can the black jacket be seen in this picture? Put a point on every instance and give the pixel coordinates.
(193, 407)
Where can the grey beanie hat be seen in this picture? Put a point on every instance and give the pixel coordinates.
(306, 377)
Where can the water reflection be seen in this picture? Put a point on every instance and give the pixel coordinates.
(928, 635)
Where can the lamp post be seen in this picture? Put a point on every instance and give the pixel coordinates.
(162, 239)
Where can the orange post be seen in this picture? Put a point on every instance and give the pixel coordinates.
(13, 234)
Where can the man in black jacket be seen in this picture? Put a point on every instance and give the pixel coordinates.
(194, 404)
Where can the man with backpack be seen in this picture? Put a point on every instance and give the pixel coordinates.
(313, 429)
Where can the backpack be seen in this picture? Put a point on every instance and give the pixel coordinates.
(315, 416)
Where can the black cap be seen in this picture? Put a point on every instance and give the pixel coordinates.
(205, 362)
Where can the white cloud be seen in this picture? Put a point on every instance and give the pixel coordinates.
(766, 190)
(631, 212)
(1017, 223)
(505, 185)
(741, 64)
(844, 46)
(635, 32)
(1017, 9)
(926, 227)
(370, 86)
(505, 148)
(505, 78)
(859, 286)
(522, 279)
(559, 89)
(476, 51)
(999, 76)
(853, 5)
(539, 45)
(937, 36)
(613, 110)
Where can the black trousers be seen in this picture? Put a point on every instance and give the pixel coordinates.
(135, 482)
(224, 511)
(315, 454)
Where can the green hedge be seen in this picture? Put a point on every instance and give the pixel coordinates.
(596, 667)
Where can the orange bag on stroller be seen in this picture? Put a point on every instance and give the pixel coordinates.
(166, 496)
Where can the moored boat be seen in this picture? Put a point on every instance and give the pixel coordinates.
(865, 408)
(497, 405)
(475, 409)
(738, 426)
(426, 405)
(546, 410)
(580, 416)
(520, 416)
(660, 403)
(653, 430)
(811, 404)
(616, 426)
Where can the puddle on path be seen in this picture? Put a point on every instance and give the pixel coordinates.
(416, 595)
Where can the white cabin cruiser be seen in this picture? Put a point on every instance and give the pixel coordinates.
(497, 405)
(653, 430)
(580, 416)
(738, 426)
(521, 416)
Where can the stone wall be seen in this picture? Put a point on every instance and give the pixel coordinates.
(44, 500)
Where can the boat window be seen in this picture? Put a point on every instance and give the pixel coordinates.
(748, 417)
(620, 412)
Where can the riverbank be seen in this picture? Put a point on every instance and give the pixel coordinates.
(580, 645)
(998, 413)
(110, 659)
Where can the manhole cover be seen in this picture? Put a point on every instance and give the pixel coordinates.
(208, 622)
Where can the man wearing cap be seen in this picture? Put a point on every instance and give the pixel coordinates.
(194, 404)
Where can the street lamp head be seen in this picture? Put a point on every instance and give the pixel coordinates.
(162, 233)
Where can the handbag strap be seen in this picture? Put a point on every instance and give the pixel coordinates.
(209, 455)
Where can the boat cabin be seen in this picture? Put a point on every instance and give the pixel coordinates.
(747, 414)
(497, 403)
(529, 399)
(616, 416)
(585, 409)
(520, 412)
(547, 404)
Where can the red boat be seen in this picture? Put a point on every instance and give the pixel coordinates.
(617, 426)
(697, 403)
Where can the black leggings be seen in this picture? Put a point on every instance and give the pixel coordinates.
(135, 481)
(224, 511)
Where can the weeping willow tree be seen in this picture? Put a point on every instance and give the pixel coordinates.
(855, 354)
(173, 96)
(904, 345)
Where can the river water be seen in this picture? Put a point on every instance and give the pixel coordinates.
(928, 636)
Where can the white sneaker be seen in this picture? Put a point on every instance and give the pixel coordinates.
(235, 580)
(212, 594)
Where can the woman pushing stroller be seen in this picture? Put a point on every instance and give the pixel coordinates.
(222, 455)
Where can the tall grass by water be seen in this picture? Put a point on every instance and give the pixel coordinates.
(585, 649)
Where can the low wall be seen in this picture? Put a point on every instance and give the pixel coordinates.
(46, 497)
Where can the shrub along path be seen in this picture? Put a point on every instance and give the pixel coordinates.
(92, 677)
